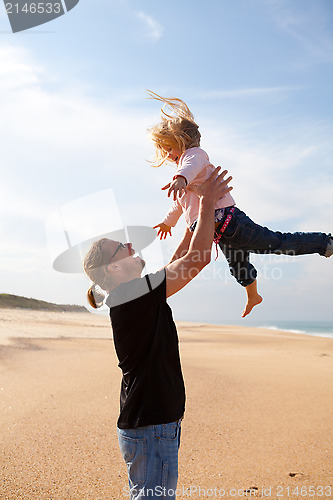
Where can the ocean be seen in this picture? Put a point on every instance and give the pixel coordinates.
(315, 328)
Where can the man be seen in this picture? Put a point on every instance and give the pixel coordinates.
(152, 399)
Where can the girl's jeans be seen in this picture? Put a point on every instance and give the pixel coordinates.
(151, 456)
(242, 236)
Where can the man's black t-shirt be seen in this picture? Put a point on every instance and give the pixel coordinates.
(146, 342)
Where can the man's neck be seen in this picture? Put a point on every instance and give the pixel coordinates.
(125, 279)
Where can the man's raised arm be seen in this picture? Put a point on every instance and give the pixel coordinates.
(181, 271)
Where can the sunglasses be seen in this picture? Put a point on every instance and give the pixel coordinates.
(121, 245)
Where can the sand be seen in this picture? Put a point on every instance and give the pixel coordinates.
(258, 419)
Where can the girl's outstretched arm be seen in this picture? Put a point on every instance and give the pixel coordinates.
(183, 246)
(173, 214)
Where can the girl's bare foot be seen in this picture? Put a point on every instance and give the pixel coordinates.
(251, 302)
(329, 250)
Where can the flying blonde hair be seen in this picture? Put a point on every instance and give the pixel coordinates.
(177, 129)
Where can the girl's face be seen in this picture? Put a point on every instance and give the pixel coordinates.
(173, 154)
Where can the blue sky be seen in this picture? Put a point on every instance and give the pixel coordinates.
(257, 75)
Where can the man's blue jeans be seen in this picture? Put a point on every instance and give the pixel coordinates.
(242, 236)
(151, 456)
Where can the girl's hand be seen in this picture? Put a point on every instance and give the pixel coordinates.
(178, 185)
(163, 231)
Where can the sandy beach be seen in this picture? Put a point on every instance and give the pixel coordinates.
(258, 419)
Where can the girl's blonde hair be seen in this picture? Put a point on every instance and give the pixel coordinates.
(177, 130)
(95, 265)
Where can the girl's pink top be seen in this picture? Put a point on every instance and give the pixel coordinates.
(194, 165)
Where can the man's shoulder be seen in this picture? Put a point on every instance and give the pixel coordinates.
(136, 289)
(155, 279)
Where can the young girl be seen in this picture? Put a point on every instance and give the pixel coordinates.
(177, 139)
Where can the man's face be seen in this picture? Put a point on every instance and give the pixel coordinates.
(124, 255)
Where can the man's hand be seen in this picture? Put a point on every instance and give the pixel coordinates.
(215, 186)
(163, 231)
(181, 271)
(177, 186)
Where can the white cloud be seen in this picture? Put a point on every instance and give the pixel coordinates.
(284, 181)
(154, 29)
(53, 136)
(57, 145)
(17, 205)
(16, 70)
